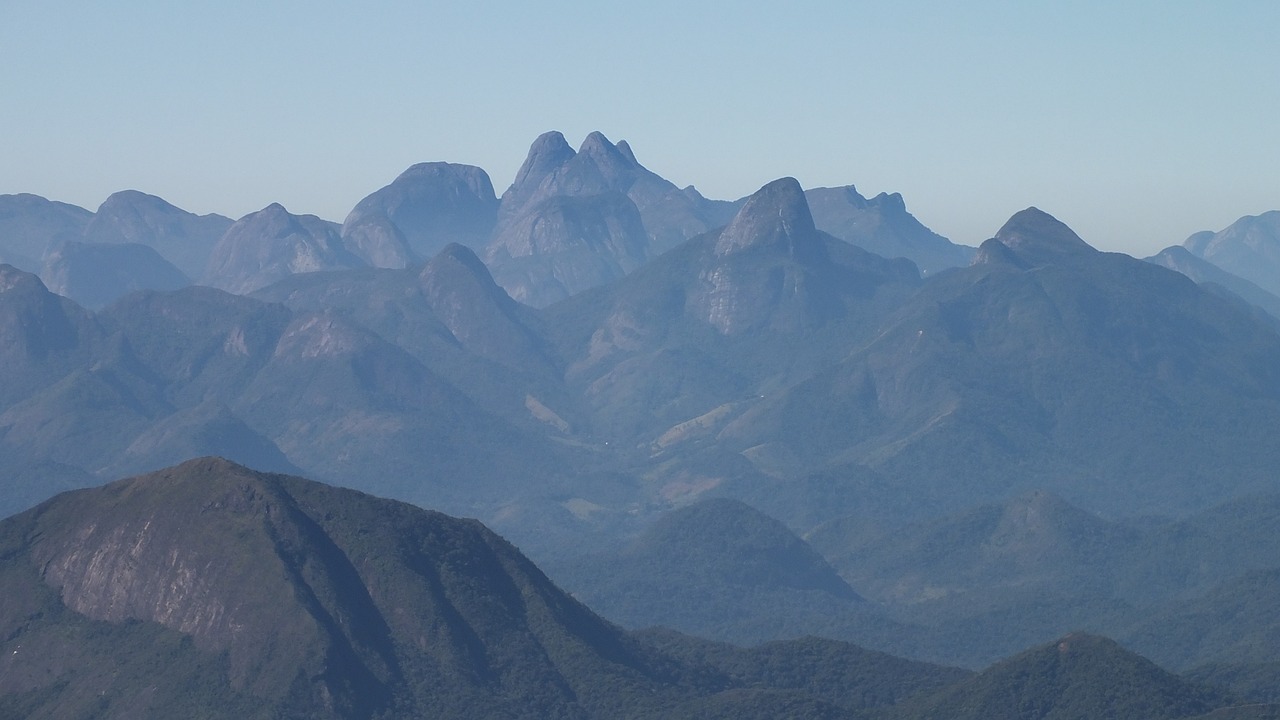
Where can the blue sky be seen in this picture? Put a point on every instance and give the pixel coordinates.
(1136, 123)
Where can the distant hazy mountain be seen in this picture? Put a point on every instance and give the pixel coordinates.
(1077, 676)
(182, 238)
(720, 569)
(424, 209)
(31, 226)
(674, 352)
(1046, 364)
(883, 226)
(1249, 247)
(43, 337)
(575, 220)
(1206, 273)
(97, 274)
(265, 246)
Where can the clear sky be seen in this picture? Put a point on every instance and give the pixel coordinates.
(1136, 123)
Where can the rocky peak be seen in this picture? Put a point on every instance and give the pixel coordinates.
(548, 152)
(612, 163)
(1038, 237)
(777, 215)
(625, 149)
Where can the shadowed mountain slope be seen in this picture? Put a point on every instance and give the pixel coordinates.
(97, 274)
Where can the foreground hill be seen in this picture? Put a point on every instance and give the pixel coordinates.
(270, 594)
(210, 590)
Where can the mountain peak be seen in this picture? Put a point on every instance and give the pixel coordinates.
(1036, 236)
(626, 151)
(548, 152)
(776, 215)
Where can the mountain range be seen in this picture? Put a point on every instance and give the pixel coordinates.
(801, 404)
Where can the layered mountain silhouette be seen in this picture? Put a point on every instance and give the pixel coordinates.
(1045, 364)
(184, 239)
(883, 226)
(1210, 275)
(1018, 412)
(1249, 247)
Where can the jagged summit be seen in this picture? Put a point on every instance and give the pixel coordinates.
(1038, 237)
(777, 215)
(549, 151)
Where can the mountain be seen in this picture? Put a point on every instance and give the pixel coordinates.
(1077, 676)
(575, 220)
(1204, 272)
(674, 352)
(31, 226)
(270, 244)
(883, 226)
(220, 592)
(844, 675)
(721, 569)
(1236, 622)
(182, 238)
(424, 209)
(1046, 364)
(42, 336)
(95, 275)
(210, 590)
(1034, 542)
(1249, 247)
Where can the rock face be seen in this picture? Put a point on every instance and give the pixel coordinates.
(95, 275)
(574, 220)
(769, 260)
(883, 226)
(1250, 248)
(182, 238)
(271, 244)
(424, 209)
(31, 226)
